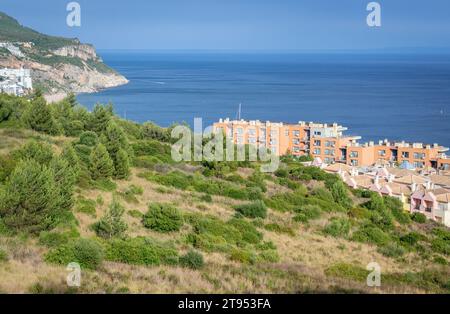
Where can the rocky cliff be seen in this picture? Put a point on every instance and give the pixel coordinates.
(58, 65)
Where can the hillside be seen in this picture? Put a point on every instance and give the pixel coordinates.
(91, 188)
(59, 65)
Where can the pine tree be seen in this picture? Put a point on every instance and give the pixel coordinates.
(101, 165)
(69, 154)
(42, 153)
(39, 117)
(122, 165)
(29, 198)
(71, 100)
(100, 117)
(111, 225)
(65, 179)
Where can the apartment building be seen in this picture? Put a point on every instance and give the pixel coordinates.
(283, 138)
(328, 143)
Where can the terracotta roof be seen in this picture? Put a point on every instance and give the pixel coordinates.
(440, 180)
(401, 172)
(338, 166)
(410, 179)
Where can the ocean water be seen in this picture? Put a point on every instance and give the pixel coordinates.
(393, 96)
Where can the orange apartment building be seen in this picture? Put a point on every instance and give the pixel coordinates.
(327, 142)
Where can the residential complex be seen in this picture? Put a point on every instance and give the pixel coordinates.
(15, 81)
(328, 143)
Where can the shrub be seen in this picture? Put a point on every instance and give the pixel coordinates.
(88, 253)
(392, 250)
(86, 206)
(371, 234)
(53, 239)
(243, 256)
(3, 256)
(42, 153)
(206, 198)
(419, 217)
(441, 246)
(411, 238)
(270, 256)
(252, 210)
(340, 194)
(307, 212)
(141, 251)
(88, 138)
(347, 271)
(135, 214)
(192, 259)
(359, 213)
(122, 165)
(282, 173)
(111, 225)
(163, 218)
(338, 227)
(279, 229)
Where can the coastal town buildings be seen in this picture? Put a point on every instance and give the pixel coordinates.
(15, 81)
(417, 174)
(328, 143)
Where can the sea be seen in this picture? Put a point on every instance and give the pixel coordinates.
(395, 96)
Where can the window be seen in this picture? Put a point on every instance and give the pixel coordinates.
(317, 133)
(296, 149)
(419, 156)
(273, 141)
(329, 160)
(329, 143)
(317, 151)
(273, 133)
(286, 132)
(405, 154)
(382, 152)
(240, 131)
(251, 140)
(296, 133)
(251, 132)
(419, 164)
(296, 141)
(317, 143)
(329, 152)
(354, 162)
(239, 140)
(354, 154)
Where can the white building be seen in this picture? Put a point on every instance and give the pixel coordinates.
(15, 81)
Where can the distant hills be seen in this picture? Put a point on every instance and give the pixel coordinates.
(59, 65)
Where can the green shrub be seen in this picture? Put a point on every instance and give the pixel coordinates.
(440, 260)
(338, 227)
(411, 238)
(135, 214)
(441, 246)
(88, 138)
(307, 212)
(252, 210)
(206, 198)
(419, 217)
(340, 194)
(3, 256)
(392, 250)
(111, 224)
(53, 239)
(88, 253)
(192, 259)
(279, 229)
(243, 256)
(141, 251)
(371, 234)
(347, 271)
(270, 256)
(266, 246)
(359, 213)
(86, 206)
(163, 218)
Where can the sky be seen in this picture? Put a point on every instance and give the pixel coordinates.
(242, 24)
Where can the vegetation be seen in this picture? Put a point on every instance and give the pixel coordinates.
(68, 176)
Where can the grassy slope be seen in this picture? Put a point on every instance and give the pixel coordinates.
(309, 261)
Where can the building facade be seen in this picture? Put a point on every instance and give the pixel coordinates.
(328, 143)
(15, 81)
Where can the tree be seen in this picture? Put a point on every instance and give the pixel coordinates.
(101, 165)
(29, 198)
(69, 154)
(39, 117)
(118, 147)
(71, 99)
(100, 117)
(40, 152)
(122, 166)
(340, 194)
(111, 225)
(65, 179)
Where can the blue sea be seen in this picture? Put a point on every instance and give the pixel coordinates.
(394, 96)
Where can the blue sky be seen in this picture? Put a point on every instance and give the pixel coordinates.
(241, 24)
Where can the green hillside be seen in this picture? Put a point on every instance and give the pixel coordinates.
(11, 30)
(92, 188)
